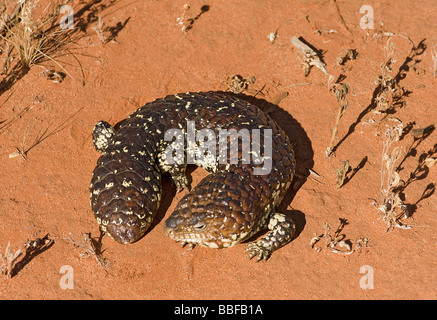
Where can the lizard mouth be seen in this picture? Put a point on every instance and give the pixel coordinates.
(185, 237)
(200, 239)
(194, 234)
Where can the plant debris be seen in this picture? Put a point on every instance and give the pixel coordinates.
(90, 246)
(8, 260)
(350, 54)
(337, 242)
(340, 91)
(237, 84)
(53, 75)
(341, 174)
(309, 57)
(391, 201)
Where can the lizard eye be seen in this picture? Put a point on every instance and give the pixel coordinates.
(199, 226)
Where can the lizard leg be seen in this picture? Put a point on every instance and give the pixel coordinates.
(103, 133)
(179, 177)
(175, 165)
(282, 229)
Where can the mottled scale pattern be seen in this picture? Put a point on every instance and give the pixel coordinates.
(228, 206)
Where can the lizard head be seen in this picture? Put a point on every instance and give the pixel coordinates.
(212, 215)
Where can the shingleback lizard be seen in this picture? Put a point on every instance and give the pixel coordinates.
(228, 206)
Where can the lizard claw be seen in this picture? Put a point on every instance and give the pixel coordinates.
(255, 249)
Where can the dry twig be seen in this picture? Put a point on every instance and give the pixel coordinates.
(341, 174)
(340, 95)
(42, 135)
(434, 61)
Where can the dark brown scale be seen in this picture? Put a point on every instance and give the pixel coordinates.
(225, 208)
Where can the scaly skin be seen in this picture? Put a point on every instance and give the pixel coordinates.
(226, 207)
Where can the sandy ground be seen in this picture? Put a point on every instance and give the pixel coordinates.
(148, 56)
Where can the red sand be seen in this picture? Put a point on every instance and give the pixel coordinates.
(151, 57)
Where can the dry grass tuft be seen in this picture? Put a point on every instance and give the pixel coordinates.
(90, 247)
(33, 39)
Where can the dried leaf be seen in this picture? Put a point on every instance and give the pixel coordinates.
(396, 179)
(345, 244)
(429, 162)
(237, 84)
(383, 208)
(397, 202)
(396, 153)
(388, 164)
